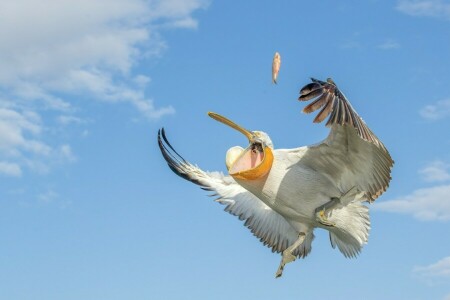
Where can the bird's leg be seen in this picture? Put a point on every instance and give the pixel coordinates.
(322, 211)
(287, 256)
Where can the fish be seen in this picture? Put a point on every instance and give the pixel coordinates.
(276, 67)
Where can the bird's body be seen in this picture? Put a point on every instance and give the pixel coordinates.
(284, 194)
(292, 189)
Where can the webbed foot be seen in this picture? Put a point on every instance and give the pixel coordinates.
(322, 218)
(287, 256)
(322, 212)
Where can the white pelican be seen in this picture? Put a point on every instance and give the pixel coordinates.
(276, 63)
(284, 194)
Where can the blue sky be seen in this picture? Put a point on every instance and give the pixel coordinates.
(89, 209)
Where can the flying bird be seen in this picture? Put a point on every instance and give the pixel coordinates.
(284, 194)
(276, 63)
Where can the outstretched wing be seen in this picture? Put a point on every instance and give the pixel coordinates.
(351, 155)
(270, 227)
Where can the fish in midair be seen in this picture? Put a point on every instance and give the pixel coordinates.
(276, 66)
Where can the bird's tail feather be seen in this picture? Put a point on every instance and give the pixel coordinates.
(351, 230)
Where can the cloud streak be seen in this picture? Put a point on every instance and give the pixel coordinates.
(434, 273)
(19, 134)
(10, 169)
(389, 45)
(22, 145)
(437, 111)
(436, 171)
(427, 204)
(425, 8)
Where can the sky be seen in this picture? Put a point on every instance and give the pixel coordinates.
(89, 208)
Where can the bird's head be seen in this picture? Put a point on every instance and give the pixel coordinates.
(252, 162)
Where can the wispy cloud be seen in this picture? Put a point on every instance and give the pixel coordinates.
(436, 171)
(103, 87)
(22, 144)
(358, 41)
(434, 273)
(425, 8)
(69, 119)
(66, 154)
(51, 197)
(437, 111)
(427, 204)
(389, 45)
(48, 197)
(52, 51)
(351, 44)
(20, 132)
(10, 169)
(353, 41)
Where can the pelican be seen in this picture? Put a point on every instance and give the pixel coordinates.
(284, 194)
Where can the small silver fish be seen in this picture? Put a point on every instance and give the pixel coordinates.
(276, 67)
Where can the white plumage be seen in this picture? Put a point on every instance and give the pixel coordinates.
(284, 194)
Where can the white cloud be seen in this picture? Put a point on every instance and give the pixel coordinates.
(356, 41)
(389, 45)
(85, 133)
(66, 153)
(44, 47)
(177, 11)
(434, 273)
(10, 169)
(436, 171)
(351, 44)
(18, 132)
(427, 204)
(57, 36)
(103, 87)
(52, 51)
(426, 8)
(436, 111)
(51, 197)
(31, 92)
(22, 145)
(141, 80)
(69, 119)
(47, 197)
(447, 297)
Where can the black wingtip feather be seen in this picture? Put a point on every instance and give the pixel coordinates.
(170, 146)
(339, 111)
(168, 156)
(174, 160)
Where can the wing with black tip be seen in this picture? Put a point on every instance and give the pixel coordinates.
(266, 224)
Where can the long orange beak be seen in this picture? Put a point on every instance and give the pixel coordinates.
(230, 123)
